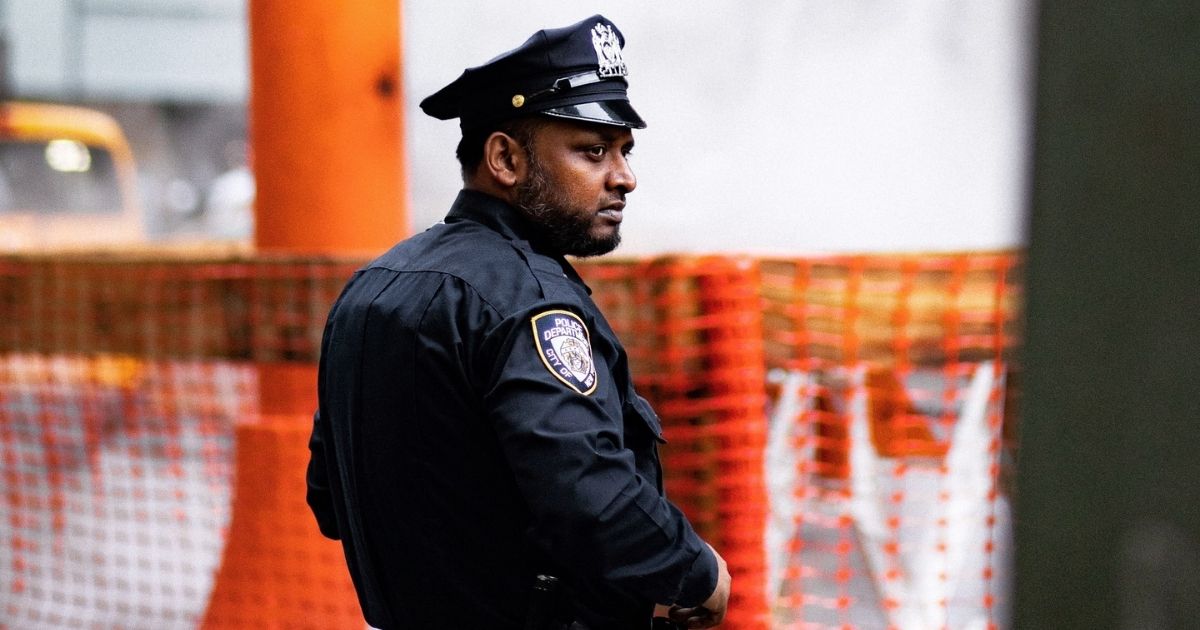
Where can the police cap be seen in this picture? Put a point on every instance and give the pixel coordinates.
(574, 72)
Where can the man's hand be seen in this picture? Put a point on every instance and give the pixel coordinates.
(712, 612)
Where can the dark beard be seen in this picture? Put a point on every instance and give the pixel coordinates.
(560, 229)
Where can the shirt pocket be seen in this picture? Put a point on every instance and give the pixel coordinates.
(643, 435)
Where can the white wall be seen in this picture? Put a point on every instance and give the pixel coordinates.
(779, 126)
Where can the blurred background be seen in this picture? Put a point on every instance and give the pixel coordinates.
(895, 271)
(174, 76)
(784, 127)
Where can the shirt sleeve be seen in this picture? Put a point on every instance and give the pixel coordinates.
(319, 497)
(591, 510)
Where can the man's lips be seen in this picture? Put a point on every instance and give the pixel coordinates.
(613, 212)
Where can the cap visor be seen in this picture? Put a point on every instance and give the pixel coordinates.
(618, 112)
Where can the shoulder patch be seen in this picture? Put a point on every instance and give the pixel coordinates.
(565, 347)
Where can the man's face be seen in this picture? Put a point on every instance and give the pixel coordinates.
(575, 190)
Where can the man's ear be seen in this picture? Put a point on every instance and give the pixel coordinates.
(504, 159)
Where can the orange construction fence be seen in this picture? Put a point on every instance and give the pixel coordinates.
(838, 427)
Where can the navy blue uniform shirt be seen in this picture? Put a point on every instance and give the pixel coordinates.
(478, 426)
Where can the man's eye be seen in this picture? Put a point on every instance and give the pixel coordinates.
(597, 151)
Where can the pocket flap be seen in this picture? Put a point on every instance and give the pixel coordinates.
(639, 407)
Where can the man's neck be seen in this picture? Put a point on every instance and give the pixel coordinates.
(489, 186)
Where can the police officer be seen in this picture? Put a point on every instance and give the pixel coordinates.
(478, 424)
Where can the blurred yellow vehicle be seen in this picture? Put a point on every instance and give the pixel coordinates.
(67, 179)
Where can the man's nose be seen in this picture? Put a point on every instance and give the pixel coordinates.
(621, 177)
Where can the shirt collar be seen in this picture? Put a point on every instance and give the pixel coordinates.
(491, 212)
(494, 213)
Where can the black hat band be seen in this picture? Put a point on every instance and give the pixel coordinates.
(495, 105)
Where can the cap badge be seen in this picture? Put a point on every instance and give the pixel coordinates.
(608, 51)
(518, 100)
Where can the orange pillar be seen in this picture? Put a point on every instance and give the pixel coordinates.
(326, 134)
(277, 571)
(326, 123)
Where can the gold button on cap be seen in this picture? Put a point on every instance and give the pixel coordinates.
(518, 100)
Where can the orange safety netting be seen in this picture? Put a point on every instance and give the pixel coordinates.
(692, 328)
(116, 475)
(837, 429)
(887, 439)
(261, 308)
